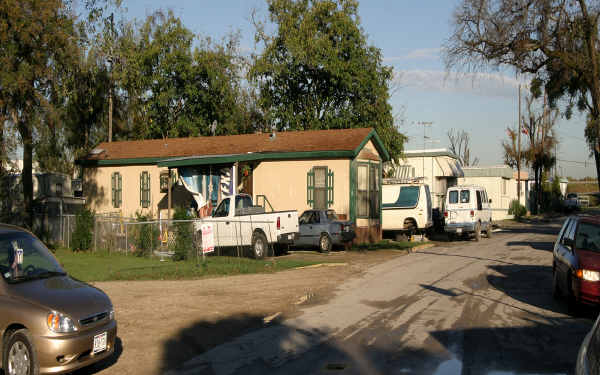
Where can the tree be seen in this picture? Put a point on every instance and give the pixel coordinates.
(459, 146)
(511, 149)
(539, 129)
(556, 41)
(37, 49)
(318, 72)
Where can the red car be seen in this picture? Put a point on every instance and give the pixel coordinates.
(576, 264)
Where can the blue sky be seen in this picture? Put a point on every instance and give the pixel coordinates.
(410, 34)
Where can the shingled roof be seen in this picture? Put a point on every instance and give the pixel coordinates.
(177, 149)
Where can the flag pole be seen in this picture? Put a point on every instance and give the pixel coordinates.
(519, 151)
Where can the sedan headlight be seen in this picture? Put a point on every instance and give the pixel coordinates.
(60, 323)
(589, 275)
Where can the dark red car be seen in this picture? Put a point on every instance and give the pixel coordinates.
(576, 264)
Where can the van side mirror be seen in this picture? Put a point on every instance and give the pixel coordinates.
(490, 201)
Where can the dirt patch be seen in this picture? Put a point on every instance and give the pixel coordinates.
(164, 323)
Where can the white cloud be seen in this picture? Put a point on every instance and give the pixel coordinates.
(417, 54)
(487, 84)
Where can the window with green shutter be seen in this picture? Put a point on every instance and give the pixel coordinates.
(117, 189)
(145, 189)
(319, 188)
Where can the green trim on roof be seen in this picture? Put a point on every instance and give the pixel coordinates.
(385, 155)
(108, 162)
(189, 161)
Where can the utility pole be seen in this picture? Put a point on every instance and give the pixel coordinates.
(110, 78)
(519, 151)
(424, 124)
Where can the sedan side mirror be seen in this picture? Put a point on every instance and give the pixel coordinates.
(568, 242)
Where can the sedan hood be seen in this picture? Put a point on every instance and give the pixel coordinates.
(589, 260)
(63, 294)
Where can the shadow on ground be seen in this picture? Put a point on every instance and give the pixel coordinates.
(379, 349)
(536, 245)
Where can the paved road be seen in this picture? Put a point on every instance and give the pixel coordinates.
(461, 308)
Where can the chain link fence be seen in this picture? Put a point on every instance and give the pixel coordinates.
(178, 238)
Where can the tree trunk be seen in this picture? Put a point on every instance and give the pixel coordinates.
(27, 173)
(597, 160)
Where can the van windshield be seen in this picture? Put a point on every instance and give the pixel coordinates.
(23, 257)
(408, 197)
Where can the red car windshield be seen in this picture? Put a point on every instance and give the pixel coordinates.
(588, 237)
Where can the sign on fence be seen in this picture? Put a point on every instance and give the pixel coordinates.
(208, 238)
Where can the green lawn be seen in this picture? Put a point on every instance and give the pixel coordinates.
(102, 266)
(387, 245)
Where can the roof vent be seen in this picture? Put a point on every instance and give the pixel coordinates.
(97, 151)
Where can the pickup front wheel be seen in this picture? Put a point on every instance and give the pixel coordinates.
(259, 245)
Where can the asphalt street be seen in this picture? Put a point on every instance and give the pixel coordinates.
(459, 308)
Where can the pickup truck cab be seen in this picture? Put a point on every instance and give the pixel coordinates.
(468, 212)
(406, 208)
(237, 222)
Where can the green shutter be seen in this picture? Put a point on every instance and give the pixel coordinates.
(119, 189)
(147, 189)
(142, 189)
(329, 188)
(113, 186)
(310, 188)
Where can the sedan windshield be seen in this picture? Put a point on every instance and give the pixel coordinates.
(23, 257)
(588, 237)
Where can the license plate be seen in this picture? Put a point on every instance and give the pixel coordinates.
(100, 343)
(458, 230)
(290, 236)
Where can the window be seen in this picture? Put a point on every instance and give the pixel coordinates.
(588, 237)
(453, 196)
(223, 209)
(479, 198)
(408, 197)
(59, 190)
(465, 196)
(145, 189)
(164, 181)
(242, 201)
(331, 215)
(319, 188)
(362, 191)
(367, 191)
(117, 189)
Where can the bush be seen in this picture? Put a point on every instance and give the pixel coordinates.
(146, 235)
(83, 233)
(184, 235)
(517, 209)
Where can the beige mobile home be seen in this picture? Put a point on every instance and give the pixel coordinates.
(298, 170)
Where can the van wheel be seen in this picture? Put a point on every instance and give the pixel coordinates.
(324, 243)
(477, 231)
(259, 245)
(488, 232)
(19, 357)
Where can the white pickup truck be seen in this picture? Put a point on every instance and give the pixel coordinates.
(237, 222)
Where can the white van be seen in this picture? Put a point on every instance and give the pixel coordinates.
(406, 207)
(468, 212)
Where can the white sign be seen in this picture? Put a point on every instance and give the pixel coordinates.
(208, 238)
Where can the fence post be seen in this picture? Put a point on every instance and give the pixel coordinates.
(95, 233)
(126, 238)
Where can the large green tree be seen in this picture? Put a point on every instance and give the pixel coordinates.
(556, 41)
(317, 71)
(38, 44)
